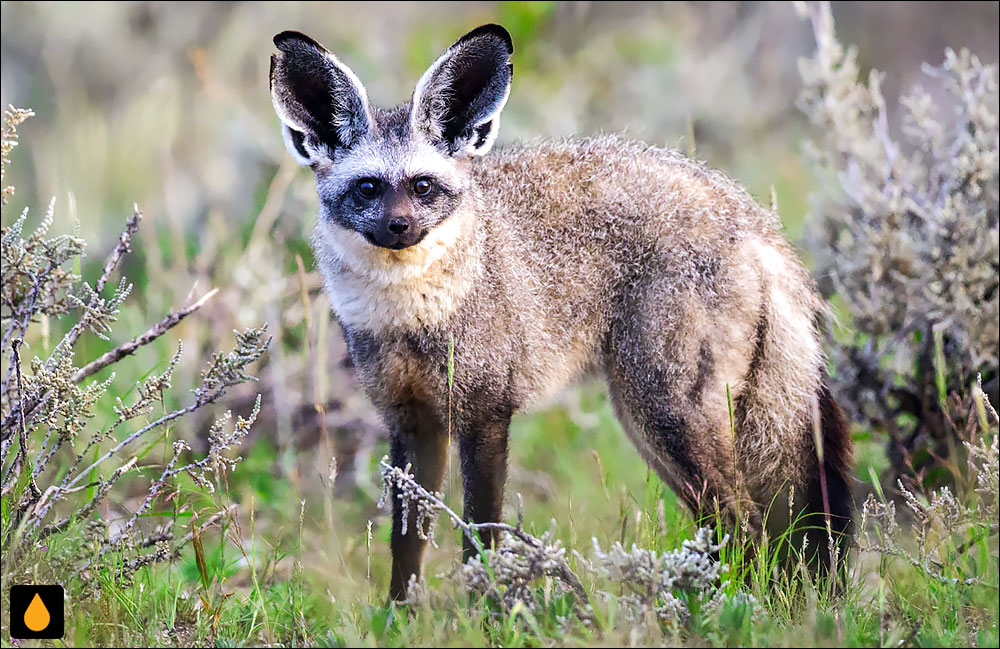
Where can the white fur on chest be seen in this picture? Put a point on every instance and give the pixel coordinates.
(378, 289)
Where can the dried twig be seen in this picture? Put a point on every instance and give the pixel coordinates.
(123, 247)
(22, 453)
(124, 240)
(179, 546)
(410, 491)
(151, 334)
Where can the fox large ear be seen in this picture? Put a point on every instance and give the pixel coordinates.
(322, 104)
(457, 102)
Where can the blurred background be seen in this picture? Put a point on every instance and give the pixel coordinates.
(166, 105)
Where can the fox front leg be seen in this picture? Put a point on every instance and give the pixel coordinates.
(483, 451)
(425, 448)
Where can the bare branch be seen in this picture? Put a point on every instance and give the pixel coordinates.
(22, 454)
(412, 490)
(121, 249)
(179, 546)
(151, 334)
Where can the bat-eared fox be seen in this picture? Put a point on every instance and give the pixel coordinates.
(537, 265)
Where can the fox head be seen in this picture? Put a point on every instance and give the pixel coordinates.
(387, 178)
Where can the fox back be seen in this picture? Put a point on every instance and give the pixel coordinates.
(540, 264)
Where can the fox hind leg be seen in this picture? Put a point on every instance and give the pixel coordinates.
(673, 364)
(700, 472)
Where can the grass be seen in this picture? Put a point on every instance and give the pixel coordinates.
(299, 564)
(296, 568)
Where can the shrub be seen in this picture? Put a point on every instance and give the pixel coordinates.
(658, 588)
(60, 460)
(954, 532)
(907, 240)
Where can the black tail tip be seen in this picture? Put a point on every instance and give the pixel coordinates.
(830, 494)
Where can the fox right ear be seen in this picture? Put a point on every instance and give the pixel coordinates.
(320, 101)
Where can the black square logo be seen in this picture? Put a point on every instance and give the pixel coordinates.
(37, 612)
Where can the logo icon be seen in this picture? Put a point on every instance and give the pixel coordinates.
(37, 612)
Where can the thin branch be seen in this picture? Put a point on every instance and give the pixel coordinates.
(179, 546)
(471, 530)
(565, 573)
(212, 520)
(121, 249)
(142, 431)
(151, 334)
(83, 512)
(22, 453)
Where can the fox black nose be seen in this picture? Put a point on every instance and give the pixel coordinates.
(398, 226)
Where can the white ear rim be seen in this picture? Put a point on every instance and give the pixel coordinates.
(469, 149)
(473, 151)
(358, 87)
(286, 135)
(425, 79)
(288, 123)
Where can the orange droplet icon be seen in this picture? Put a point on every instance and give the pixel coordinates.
(37, 616)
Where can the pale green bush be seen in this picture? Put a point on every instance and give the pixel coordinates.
(60, 461)
(906, 241)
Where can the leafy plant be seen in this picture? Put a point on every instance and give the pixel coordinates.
(906, 240)
(59, 464)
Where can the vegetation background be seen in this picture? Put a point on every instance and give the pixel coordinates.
(166, 105)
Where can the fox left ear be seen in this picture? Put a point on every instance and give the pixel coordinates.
(457, 102)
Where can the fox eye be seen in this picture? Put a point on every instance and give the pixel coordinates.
(422, 186)
(368, 187)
